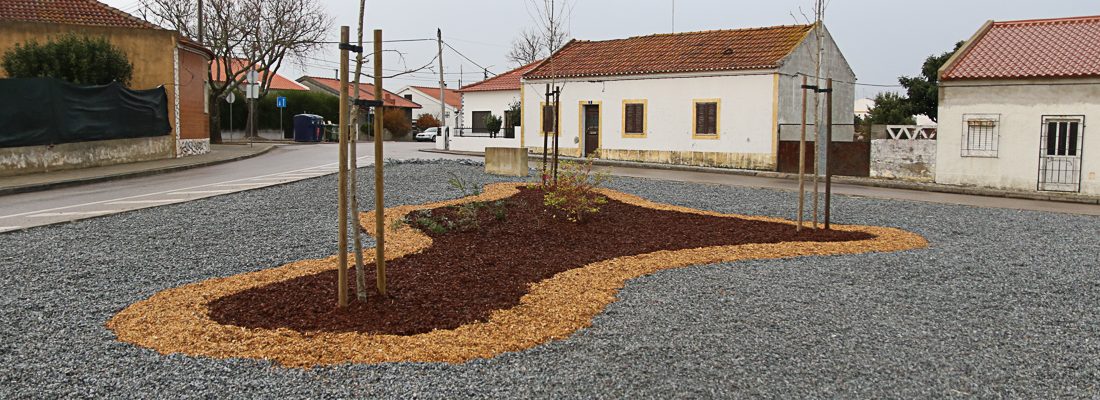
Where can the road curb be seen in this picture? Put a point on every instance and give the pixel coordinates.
(869, 182)
(125, 175)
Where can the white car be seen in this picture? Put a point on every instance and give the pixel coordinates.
(428, 135)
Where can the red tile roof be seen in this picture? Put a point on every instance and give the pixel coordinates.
(506, 81)
(453, 97)
(278, 82)
(1045, 48)
(73, 12)
(366, 91)
(722, 50)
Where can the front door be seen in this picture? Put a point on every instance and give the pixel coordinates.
(591, 129)
(1060, 154)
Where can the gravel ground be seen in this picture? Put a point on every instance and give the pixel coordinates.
(1004, 304)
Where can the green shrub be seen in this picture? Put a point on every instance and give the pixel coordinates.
(82, 60)
(574, 194)
(493, 123)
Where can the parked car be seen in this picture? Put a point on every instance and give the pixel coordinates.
(427, 135)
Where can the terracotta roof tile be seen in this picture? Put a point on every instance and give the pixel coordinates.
(278, 82)
(74, 12)
(722, 50)
(507, 81)
(366, 91)
(1048, 48)
(453, 97)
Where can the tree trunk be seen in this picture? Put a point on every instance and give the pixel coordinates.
(215, 121)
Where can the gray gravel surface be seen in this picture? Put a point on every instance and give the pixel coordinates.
(1004, 304)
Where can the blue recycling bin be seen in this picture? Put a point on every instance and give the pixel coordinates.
(308, 128)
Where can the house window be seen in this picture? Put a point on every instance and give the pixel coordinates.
(1062, 136)
(408, 97)
(706, 119)
(479, 121)
(546, 116)
(634, 118)
(981, 135)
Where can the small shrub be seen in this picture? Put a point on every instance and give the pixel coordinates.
(464, 187)
(493, 123)
(425, 121)
(575, 194)
(395, 121)
(499, 212)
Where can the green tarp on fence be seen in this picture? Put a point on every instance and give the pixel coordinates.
(44, 111)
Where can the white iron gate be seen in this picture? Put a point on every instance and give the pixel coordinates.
(1060, 153)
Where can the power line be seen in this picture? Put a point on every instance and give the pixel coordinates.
(467, 58)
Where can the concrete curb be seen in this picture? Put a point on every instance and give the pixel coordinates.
(107, 178)
(879, 183)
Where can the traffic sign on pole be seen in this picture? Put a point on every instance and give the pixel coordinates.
(280, 102)
(230, 98)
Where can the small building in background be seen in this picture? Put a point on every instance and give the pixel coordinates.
(428, 98)
(723, 98)
(331, 87)
(160, 58)
(494, 96)
(1015, 101)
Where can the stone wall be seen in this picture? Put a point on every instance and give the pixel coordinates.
(37, 159)
(912, 160)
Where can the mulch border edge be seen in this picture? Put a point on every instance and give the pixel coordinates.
(176, 320)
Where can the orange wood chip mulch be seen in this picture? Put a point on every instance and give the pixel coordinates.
(180, 320)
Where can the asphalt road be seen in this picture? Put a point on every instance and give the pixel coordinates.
(281, 165)
(296, 162)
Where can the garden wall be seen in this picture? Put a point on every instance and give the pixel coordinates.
(912, 160)
(36, 159)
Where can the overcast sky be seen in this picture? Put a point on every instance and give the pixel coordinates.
(881, 39)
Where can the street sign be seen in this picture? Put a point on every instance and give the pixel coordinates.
(252, 91)
(230, 98)
(253, 76)
(280, 102)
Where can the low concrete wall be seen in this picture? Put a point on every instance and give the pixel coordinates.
(476, 144)
(509, 161)
(912, 160)
(35, 159)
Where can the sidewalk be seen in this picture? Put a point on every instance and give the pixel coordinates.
(219, 153)
(850, 180)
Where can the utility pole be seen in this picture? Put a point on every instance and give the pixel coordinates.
(202, 33)
(442, 104)
(342, 194)
(379, 204)
(802, 157)
(828, 148)
(673, 16)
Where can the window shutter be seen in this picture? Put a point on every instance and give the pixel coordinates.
(712, 118)
(547, 118)
(700, 118)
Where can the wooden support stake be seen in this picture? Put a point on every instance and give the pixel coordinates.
(828, 149)
(802, 159)
(545, 133)
(379, 204)
(557, 129)
(342, 195)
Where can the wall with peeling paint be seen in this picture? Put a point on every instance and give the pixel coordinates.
(37, 159)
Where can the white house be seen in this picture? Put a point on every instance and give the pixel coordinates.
(1015, 101)
(428, 98)
(493, 96)
(726, 98)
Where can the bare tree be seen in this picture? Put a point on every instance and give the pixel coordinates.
(551, 18)
(245, 35)
(534, 44)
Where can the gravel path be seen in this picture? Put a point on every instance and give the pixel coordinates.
(1005, 303)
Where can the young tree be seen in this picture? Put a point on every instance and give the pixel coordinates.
(923, 90)
(246, 35)
(533, 45)
(83, 60)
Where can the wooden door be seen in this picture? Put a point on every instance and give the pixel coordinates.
(591, 128)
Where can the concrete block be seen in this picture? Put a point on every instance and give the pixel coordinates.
(508, 161)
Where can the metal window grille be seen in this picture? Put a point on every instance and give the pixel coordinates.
(1060, 150)
(982, 136)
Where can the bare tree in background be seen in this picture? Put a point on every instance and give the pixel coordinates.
(549, 35)
(245, 35)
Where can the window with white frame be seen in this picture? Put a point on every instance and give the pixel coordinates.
(981, 135)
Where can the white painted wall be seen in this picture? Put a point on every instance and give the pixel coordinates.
(476, 144)
(1021, 105)
(745, 111)
(495, 101)
(429, 106)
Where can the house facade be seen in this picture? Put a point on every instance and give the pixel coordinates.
(331, 87)
(160, 57)
(1015, 102)
(493, 96)
(428, 99)
(725, 98)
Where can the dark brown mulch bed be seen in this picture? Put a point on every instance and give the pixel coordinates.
(466, 274)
